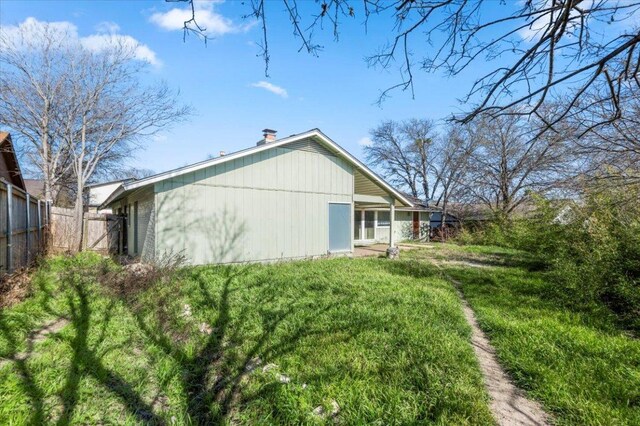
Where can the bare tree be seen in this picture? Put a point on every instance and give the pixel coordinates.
(82, 112)
(108, 113)
(611, 151)
(129, 173)
(401, 152)
(35, 62)
(420, 135)
(452, 167)
(507, 164)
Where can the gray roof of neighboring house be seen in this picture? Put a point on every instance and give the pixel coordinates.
(420, 204)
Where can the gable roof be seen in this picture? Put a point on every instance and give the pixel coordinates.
(315, 134)
(13, 167)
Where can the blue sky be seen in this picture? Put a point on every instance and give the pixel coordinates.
(225, 81)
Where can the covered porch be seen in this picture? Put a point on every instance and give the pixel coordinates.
(374, 212)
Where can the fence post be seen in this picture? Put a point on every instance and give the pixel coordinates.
(9, 228)
(28, 226)
(39, 227)
(47, 222)
(85, 230)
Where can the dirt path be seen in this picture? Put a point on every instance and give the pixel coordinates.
(509, 404)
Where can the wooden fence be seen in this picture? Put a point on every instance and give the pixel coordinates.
(100, 231)
(25, 221)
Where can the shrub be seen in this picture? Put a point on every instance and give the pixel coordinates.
(134, 278)
(592, 250)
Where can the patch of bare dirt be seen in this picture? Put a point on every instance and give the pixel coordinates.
(50, 327)
(14, 288)
(37, 336)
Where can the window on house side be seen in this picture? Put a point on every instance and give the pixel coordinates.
(384, 218)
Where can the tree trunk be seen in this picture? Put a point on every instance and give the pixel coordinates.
(78, 218)
(79, 205)
(46, 172)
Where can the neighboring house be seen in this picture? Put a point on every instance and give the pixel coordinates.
(9, 167)
(98, 193)
(472, 214)
(436, 219)
(62, 196)
(35, 187)
(297, 197)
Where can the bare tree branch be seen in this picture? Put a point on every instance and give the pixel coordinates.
(554, 49)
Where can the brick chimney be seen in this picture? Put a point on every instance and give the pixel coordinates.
(268, 136)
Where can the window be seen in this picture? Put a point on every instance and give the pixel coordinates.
(384, 218)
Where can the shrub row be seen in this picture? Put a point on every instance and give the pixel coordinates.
(591, 248)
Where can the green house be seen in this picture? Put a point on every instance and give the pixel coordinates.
(302, 196)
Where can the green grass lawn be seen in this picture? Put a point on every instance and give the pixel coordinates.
(385, 341)
(582, 368)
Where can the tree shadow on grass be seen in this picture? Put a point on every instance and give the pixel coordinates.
(213, 375)
(86, 358)
(27, 382)
(410, 268)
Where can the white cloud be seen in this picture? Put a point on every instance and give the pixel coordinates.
(107, 27)
(280, 91)
(537, 27)
(365, 141)
(531, 33)
(29, 34)
(31, 30)
(160, 138)
(99, 42)
(212, 22)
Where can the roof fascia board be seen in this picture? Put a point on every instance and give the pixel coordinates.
(14, 159)
(120, 193)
